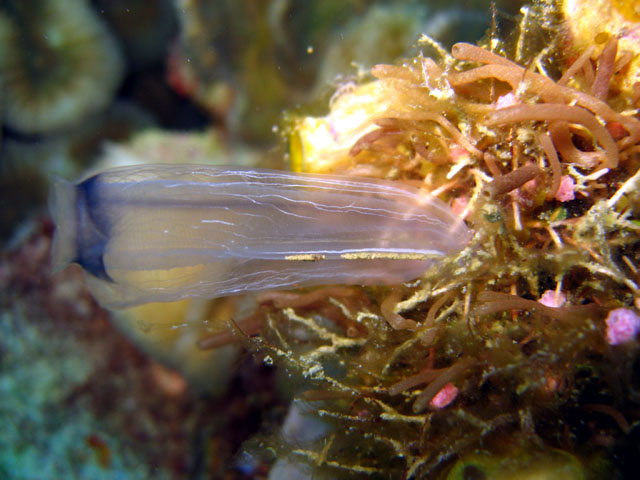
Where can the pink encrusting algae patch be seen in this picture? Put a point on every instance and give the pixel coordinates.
(566, 190)
(622, 326)
(551, 298)
(507, 100)
(445, 396)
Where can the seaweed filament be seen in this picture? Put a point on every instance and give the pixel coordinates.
(543, 167)
(563, 142)
(577, 65)
(492, 302)
(448, 375)
(512, 180)
(548, 90)
(397, 321)
(558, 112)
(604, 72)
(554, 162)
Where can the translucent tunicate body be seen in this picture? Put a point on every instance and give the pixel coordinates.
(165, 232)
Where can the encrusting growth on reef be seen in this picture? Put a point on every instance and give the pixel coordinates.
(538, 148)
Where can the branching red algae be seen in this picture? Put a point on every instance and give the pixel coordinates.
(515, 179)
(513, 120)
(554, 163)
(448, 375)
(559, 112)
(492, 302)
(395, 320)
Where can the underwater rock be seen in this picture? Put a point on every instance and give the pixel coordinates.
(145, 28)
(247, 63)
(387, 33)
(169, 333)
(81, 401)
(527, 462)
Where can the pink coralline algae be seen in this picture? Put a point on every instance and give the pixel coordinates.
(566, 190)
(507, 100)
(445, 396)
(460, 204)
(622, 325)
(551, 298)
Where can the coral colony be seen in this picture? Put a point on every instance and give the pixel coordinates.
(58, 64)
(519, 348)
